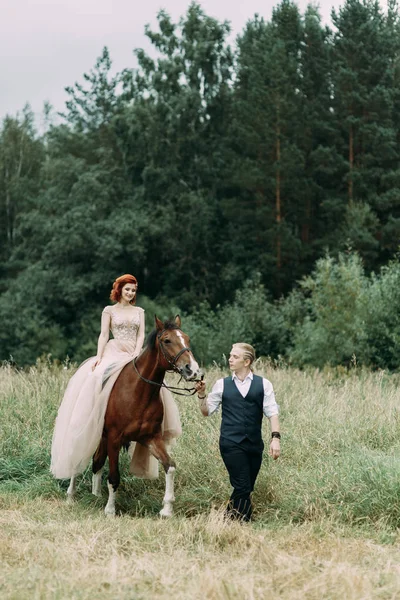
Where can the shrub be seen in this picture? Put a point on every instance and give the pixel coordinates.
(333, 329)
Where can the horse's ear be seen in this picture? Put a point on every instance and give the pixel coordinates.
(159, 324)
(178, 321)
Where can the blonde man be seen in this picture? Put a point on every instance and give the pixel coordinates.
(245, 398)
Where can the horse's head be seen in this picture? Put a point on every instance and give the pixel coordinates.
(175, 350)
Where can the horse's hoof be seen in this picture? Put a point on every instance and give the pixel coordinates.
(70, 500)
(96, 493)
(166, 512)
(110, 513)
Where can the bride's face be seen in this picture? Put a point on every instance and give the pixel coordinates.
(128, 292)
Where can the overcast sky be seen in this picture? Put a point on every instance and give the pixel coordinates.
(46, 45)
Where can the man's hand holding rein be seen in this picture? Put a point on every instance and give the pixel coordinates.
(202, 396)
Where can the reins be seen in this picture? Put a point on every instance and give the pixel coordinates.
(171, 360)
(176, 390)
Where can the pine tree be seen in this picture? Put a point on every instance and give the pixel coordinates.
(365, 94)
(268, 162)
(323, 164)
(21, 156)
(177, 111)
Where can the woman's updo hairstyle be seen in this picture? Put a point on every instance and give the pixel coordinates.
(118, 284)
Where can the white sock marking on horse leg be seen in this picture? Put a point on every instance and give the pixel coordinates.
(71, 489)
(96, 483)
(169, 497)
(110, 507)
(169, 485)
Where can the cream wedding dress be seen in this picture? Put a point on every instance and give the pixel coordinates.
(80, 418)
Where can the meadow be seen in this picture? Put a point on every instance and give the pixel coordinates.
(327, 513)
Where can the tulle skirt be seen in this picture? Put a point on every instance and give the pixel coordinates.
(80, 419)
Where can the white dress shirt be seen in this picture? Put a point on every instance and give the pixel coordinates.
(214, 398)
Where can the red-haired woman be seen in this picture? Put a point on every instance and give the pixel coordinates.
(80, 418)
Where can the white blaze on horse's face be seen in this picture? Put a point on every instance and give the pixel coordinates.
(191, 369)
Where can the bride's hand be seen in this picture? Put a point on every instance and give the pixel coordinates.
(97, 362)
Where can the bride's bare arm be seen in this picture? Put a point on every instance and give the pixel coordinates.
(140, 335)
(103, 337)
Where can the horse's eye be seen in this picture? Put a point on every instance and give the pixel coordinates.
(167, 341)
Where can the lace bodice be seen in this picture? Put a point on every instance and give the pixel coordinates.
(124, 326)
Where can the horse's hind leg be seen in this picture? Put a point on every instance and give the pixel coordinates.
(159, 450)
(71, 490)
(99, 459)
(113, 476)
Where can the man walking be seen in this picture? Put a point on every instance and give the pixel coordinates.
(244, 398)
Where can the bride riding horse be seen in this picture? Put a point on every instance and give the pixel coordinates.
(135, 410)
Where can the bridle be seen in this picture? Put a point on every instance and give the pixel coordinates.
(171, 360)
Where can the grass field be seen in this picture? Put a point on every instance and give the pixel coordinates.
(327, 512)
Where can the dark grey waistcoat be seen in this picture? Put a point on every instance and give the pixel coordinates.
(242, 417)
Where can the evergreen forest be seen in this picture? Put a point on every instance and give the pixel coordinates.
(253, 187)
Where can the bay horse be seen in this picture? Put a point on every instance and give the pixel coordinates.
(135, 410)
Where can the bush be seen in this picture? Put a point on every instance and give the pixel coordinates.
(251, 318)
(381, 307)
(332, 330)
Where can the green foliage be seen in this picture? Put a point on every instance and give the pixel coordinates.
(27, 332)
(218, 178)
(266, 171)
(21, 155)
(251, 317)
(333, 329)
(340, 316)
(365, 106)
(382, 319)
(185, 95)
(359, 229)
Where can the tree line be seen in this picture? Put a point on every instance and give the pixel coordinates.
(212, 173)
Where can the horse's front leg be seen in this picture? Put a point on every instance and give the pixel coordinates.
(71, 490)
(159, 450)
(113, 476)
(99, 459)
(169, 496)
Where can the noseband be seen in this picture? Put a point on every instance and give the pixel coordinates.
(171, 360)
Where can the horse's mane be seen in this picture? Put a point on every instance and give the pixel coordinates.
(151, 338)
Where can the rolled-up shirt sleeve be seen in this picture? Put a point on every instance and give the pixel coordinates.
(214, 398)
(270, 407)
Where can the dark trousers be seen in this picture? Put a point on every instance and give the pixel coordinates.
(243, 462)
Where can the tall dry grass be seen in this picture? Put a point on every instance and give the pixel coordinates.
(327, 511)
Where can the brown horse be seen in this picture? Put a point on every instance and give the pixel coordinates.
(135, 410)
